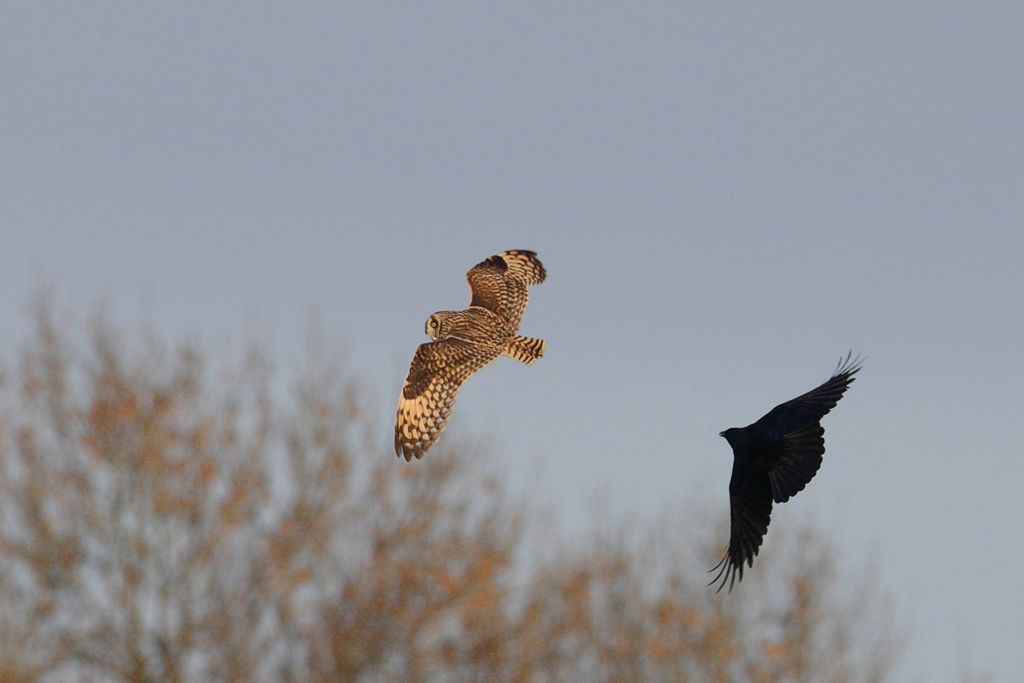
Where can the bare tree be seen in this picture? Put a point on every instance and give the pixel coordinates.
(163, 520)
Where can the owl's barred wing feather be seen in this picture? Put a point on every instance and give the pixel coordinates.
(438, 370)
(499, 283)
(523, 265)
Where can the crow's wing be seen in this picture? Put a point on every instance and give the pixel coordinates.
(807, 409)
(799, 462)
(750, 506)
(796, 426)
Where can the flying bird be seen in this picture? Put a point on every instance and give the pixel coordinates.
(464, 342)
(773, 459)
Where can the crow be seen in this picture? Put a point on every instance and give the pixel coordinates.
(773, 459)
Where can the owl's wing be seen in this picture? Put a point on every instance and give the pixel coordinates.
(438, 370)
(499, 283)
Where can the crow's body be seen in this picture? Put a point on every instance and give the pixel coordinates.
(773, 459)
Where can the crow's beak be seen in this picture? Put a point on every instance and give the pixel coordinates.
(722, 434)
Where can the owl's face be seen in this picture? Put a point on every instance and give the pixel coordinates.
(434, 326)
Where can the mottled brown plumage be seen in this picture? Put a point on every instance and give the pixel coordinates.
(464, 342)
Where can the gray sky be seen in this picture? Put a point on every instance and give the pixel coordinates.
(726, 196)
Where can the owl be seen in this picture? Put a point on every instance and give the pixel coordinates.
(465, 341)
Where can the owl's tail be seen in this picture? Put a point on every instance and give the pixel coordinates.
(524, 349)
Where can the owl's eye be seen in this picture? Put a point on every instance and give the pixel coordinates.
(433, 323)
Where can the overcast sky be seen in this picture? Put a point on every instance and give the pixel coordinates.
(726, 196)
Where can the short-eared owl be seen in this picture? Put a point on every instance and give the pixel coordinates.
(464, 342)
(773, 460)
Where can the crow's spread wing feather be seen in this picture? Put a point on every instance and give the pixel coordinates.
(750, 506)
(809, 408)
(801, 457)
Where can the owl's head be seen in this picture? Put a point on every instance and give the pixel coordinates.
(435, 327)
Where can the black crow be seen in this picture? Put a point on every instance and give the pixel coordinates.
(773, 459)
